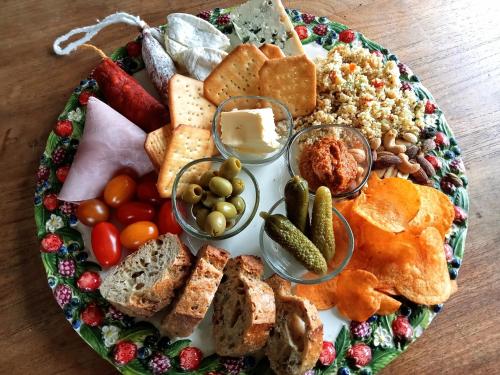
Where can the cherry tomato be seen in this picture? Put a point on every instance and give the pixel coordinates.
(119, 190)
(138, 233)
(92, 212)
(130, 212)
(146, 189)
(166, 219)
(105, 238)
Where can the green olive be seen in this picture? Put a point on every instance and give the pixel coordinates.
(197, 207)
(210, 199)
(220, 186)
(238, 203)
(238, 185)
(227, 209)
(215, 224)
(206, 177)
(230, 223)
(230, 168)
(192, 194)
(201, 216)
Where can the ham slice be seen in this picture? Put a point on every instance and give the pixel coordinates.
(110, 142)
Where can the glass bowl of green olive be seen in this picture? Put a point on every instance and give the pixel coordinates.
(214, 198)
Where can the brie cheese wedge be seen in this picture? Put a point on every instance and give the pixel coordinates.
(250, 130)
(192, 31)
(199, 62)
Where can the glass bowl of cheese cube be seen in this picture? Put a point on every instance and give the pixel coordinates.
(254, 129)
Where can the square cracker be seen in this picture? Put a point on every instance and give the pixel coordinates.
(291, 80)
(187, 143)
(156, 145)
(237, 74)
(187, 104)
(272, 51)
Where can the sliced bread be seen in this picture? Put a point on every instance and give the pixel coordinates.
(295, 341)
(192, 304)
(244, 309)
(146, 280)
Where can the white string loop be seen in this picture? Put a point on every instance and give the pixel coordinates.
(91, 30)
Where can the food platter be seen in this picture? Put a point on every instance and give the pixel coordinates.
(58, 227)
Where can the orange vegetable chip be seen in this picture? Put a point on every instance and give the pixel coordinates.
(389, 204)
(436, 210)
(425, 279)
(357, 297)
(341, 243)
(388, 305)
(323, 296)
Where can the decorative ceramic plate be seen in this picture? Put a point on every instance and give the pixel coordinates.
(66, 253)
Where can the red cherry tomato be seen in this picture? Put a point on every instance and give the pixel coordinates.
(92, 212)
(146, 189)
(166, 219)
(138, 233)
(119, 189)
(105, 238)
(130, 212)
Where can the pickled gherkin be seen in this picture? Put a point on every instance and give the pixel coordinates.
(297, 203)
(322, 223)
(282, 231)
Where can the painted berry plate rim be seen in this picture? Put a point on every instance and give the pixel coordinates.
(64, 256)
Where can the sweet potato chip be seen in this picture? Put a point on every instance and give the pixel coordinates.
(388, 305)
(436, 210)
(323, 296)
(389, 204)
(425, 280)
(357, 297)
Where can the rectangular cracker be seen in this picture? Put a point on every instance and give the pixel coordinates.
(187, 104)
(156, 145)
(272, 51)
(291, 80)
(237, 74)
(187, 143)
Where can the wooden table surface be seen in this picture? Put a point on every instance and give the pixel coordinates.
(453, 46)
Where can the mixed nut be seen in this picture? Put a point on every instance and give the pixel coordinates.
(402, 155)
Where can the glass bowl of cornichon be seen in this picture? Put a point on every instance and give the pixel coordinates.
(303, 238)
(214, 198)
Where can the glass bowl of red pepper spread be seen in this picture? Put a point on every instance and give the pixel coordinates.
(338, 157)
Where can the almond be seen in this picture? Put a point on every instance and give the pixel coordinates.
(385, 161)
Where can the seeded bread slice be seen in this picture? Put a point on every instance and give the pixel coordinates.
(295, 341)
(146, 280)
(244, 309)
(192, 304)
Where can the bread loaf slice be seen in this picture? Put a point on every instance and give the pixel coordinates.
(295, 341)
(146, 280)
(244, 309)
(192, 304)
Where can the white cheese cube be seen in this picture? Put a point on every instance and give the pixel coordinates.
(250, 130)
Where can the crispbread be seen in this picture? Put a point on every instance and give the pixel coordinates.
(156, 145)
(272, 51)
(187, 104)
(237, 74)
(187, 143)
(291, 80)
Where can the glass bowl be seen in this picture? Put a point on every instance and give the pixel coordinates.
(183, 211)
(284, 127)
(285, 265)
(350, 136)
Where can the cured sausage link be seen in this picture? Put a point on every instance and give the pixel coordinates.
(127, 96)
